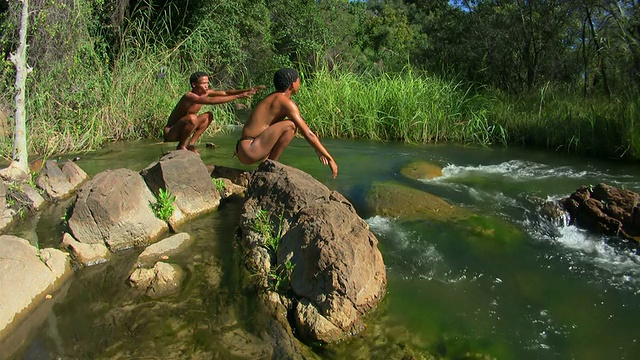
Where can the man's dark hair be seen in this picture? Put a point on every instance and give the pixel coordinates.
(284, 77)
(193, 79)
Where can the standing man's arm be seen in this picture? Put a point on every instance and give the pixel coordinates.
(251, 90)
(206, 99)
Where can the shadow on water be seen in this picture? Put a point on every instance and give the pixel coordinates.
(495, 284)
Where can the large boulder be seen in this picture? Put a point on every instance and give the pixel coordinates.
(326, 252)
(115, 208)
(27, 275)
(605, 209)
(186, 177)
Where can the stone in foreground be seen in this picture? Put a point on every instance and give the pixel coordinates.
(114, 208)
(338, 274)
(26, 276)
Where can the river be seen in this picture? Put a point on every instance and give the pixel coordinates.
(504, 284)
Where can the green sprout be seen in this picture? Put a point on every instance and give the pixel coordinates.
(163, 207)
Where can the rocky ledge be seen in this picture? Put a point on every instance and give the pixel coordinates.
(314, 261)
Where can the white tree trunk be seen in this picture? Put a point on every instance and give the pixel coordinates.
(20, 162)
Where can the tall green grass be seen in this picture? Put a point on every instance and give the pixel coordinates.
(559, 120)
(403, 107)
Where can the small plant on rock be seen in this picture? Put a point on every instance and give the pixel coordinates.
(163, 207)
(264, 227)
(219, 184)
(280, 276)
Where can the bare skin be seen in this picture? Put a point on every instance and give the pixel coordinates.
(185, 125)
(271, 127)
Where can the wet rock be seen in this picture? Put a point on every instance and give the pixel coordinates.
(26, 276)
(396, 200)
(114, 208)
(335, 267)
(421, 170)
(237, 176)
(74, 174)
(315, 326)
(164, 249)
(3, 195)
(185, 176)
(605, 209)
(86, 254)
(53, 181)
(25, 196)
(231, 190)
(160, 281)
(6, 218)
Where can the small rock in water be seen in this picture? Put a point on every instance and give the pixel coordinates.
(211, 145)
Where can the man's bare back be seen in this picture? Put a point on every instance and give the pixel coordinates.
(273, 124)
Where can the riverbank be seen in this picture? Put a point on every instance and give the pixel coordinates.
(408, 107)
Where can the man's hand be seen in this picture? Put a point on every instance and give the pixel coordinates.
(257, 88)
(332, 165)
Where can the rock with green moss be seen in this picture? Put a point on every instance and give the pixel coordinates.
(421, 170)
(396, 200)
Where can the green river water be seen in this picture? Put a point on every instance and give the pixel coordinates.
(501, 284)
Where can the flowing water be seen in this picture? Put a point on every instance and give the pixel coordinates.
(503, 283)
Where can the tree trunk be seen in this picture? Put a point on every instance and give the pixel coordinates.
(19, 167)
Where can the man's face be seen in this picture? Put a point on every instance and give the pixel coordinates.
(202, 86)
(296, 86)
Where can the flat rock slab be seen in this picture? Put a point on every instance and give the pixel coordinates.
(26, 276)
(164, 248)
(86, 254)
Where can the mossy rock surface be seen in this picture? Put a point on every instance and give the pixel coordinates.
(397, 200)
(420, 170)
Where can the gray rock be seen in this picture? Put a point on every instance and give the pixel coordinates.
(185, 176)
(86, 254)
(232, 190)
(114, 208)
(26, 196)
(338, 273)
(26, 276)
(53, 181)
(164, 248)
(6, 218)
(74, 174)
(161, 280)
(3, 195)
(237, 176)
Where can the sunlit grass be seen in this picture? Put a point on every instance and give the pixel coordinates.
(560, 121)
(402, 107)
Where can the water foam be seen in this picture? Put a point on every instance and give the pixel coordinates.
(406, 249)
(524, 170)
(622, 267)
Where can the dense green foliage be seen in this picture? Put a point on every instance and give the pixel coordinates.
(558, 74)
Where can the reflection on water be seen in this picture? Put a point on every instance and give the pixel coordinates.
(500, 283)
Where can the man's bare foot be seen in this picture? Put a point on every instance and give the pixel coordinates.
(193, 148)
